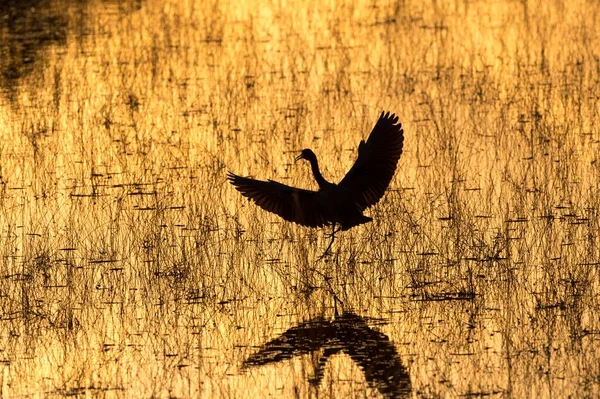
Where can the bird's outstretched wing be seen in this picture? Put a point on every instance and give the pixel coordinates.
(375, 354)
(293, 204)
(304, 338)
(376, 164)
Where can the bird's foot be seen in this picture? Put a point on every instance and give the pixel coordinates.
(332, 235)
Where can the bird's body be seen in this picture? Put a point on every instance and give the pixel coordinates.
(342, 203)
(340, 206)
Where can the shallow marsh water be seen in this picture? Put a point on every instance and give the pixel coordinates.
(130, 268)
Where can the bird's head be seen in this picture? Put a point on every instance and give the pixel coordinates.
(306, 154)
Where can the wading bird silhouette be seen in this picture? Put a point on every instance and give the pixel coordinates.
(336, 204)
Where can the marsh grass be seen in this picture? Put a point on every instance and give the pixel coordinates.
(130, 268)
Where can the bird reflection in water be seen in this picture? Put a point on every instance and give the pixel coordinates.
(370, 349)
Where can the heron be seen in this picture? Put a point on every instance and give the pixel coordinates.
(341, 204)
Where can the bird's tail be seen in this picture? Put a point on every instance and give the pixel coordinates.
(356, 222)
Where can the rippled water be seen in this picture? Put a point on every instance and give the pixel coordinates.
(131, 268)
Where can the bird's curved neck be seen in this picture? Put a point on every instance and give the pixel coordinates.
(314, 165)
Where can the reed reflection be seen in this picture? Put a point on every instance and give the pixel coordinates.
(370, 349)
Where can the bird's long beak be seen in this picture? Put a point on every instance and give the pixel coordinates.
(299, 157)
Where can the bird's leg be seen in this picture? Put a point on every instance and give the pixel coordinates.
(333, 231)
(337, 300)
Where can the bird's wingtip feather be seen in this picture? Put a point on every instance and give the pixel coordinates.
(391, 116)
(232, 177)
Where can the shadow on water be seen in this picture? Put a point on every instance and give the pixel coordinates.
(29, 27)
(370, 349)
